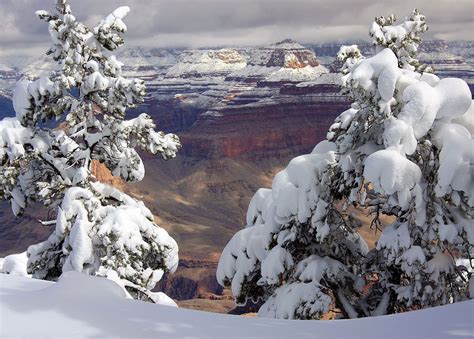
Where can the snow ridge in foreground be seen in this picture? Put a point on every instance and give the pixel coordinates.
(82, 305)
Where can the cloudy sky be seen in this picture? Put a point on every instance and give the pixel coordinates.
(204, 23)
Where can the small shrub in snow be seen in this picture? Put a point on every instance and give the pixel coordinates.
(99, 230)
(404, 149)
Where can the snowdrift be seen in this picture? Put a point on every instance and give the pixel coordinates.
(81, 305)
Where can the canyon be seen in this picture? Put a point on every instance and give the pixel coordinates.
(241, 114)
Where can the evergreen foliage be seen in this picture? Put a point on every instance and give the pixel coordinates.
(64, 121)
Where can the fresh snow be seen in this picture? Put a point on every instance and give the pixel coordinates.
(323, 79)
(15, 264)
(287, 44)
(85, 306)
(5, 68)
(207, 62)
(307, 73)
(276, 74)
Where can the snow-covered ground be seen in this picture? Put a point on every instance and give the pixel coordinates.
(83, 306)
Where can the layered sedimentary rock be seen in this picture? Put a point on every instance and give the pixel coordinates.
(268, 130)
(261, 102)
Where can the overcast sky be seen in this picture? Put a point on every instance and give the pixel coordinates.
(204, 23)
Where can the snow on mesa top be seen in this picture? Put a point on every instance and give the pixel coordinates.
(207, 63)
(286, 61)
(286, 53)
(6, 69)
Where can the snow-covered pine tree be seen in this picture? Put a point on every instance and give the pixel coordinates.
(404, 149)
(424, 172)
(99, 230)
(402, 39)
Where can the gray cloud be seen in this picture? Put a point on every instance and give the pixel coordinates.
(200, 23)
